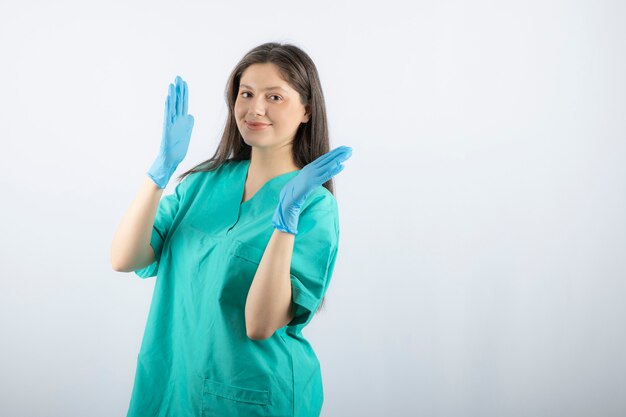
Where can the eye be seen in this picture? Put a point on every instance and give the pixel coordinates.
(273, 95)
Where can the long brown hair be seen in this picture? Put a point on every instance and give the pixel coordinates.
(298, 70)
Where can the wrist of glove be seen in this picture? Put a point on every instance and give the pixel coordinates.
(287, 214)
(294, 194)
(161, 171)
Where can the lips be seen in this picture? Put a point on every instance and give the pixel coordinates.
(256, 126)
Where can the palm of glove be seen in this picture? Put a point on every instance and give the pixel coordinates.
(176, 138)
(294, 194)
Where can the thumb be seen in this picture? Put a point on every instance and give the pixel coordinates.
(190, 122)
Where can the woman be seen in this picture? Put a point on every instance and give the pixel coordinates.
(244, 249)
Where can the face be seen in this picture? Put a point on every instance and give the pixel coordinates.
(264, 97)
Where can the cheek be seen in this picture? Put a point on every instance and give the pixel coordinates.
(239, 112)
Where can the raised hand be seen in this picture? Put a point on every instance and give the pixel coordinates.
(177, 127)
(295, 192)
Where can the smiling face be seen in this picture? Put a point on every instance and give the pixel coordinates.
(264, 97)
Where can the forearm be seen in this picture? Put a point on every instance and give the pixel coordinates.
(268, 306)
(131, 249)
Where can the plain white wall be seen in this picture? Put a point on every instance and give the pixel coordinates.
(482, 259)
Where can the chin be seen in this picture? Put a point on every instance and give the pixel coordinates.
(252, 143)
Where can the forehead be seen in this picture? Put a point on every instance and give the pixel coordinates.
(263, 77)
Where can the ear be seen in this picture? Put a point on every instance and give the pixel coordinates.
(307, 114)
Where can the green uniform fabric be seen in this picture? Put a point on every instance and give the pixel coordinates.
(196, 358)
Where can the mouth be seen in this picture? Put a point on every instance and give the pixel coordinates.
(256, 126)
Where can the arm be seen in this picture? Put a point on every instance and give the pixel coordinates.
(131, 248)
(269, 306)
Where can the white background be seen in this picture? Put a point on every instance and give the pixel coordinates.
(482, 261)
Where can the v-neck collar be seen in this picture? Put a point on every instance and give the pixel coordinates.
(272, 183)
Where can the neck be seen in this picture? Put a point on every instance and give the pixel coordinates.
(269, 163)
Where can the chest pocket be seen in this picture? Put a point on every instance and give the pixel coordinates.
(241, 266)
(219, 399)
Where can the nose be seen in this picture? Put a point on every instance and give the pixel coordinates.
(256, 105)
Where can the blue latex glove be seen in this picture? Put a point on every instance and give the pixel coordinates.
(177, 126)
(295, 192)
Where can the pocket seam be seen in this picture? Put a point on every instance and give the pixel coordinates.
(230, 392)
(247, 252)
(194, 229)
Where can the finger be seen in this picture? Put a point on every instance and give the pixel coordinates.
(165, 111)
(330, 173)
(340, 155)
(337, 170)
(179, 96)
(320, 161)
(185, 97)
(172, 98)
(344, 151)
(191, 123)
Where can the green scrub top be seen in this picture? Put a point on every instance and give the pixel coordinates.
(195, 357)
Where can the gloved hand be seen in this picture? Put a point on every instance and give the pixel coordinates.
(295, 192)
(177, 126)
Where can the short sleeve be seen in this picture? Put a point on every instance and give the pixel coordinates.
(314, 255)
(163, 220)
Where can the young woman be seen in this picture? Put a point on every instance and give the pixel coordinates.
(244, 249)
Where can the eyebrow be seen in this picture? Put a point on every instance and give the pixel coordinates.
(266, 89)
